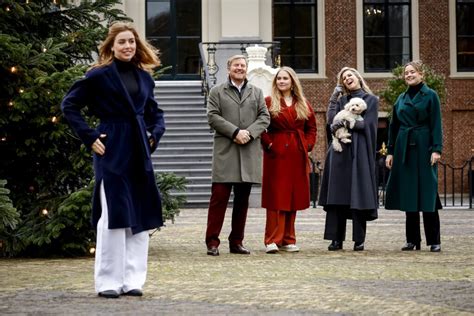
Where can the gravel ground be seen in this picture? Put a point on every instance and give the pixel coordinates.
(183, 280)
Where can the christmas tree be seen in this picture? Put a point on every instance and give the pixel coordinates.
(45, 45)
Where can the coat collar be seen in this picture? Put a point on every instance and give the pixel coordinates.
(232, 91)
(116, 81)
(418, 97)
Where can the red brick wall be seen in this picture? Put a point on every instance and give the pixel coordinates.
(457, 110)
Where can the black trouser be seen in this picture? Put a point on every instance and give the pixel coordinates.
(335, 227)
(430, 223)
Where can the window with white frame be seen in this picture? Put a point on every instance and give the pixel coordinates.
(295, 26)
(465, 35)
(387, 34)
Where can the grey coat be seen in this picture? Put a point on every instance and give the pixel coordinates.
(226, 113)
(349, 176)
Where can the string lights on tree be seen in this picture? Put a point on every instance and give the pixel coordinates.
(39, 66)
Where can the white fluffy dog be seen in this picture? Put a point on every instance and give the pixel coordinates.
(349, 115)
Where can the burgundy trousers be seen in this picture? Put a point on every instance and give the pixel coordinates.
(217, 207)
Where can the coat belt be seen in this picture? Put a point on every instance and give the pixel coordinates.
(405, 132)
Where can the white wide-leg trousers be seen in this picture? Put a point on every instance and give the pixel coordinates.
(120, 257)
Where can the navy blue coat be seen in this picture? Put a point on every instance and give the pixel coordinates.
(126, 169)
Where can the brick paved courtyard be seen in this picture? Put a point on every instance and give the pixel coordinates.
(182, 279)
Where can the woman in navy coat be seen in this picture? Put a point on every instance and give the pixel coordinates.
(118, 90)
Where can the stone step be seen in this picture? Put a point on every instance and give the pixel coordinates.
(182, 158)
(200, 129)
(190, 165)
(186, 116)
(180, 97)
(199, 180)
(178, 109)
(186, 123)
(186, 146)
(182, 150)
(173, 105)
(185, 172)
(165, 143)
(201, 188)
(190, 135)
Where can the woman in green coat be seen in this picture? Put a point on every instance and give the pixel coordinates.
(414, 148)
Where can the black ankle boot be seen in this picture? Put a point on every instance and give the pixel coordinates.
(335, 245)
(435, 248)
(410, 246)
(358, 246)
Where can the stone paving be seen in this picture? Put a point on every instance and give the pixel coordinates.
(183, 280)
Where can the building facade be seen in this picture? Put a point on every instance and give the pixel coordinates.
(319, 37)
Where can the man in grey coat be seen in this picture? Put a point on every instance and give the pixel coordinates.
(236, 111)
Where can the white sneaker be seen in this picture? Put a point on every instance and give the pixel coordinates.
(271, 248)
(290, 248)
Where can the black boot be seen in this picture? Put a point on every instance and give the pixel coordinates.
(435, 248)
(335, 245)
(410, 246)
(358, 246)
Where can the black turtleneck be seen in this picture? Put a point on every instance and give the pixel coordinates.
(413, 90)
(128, 76)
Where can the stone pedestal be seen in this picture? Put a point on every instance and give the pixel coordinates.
(258, 73)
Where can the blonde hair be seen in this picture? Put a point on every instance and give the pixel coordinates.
(146, 56)
(301, 107)
(418, 65)
(363, 84)
(232, 58)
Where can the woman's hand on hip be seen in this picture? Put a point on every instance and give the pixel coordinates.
(98, 147)
(389, 161)
(435, 157)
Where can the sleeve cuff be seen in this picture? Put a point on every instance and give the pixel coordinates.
(235, 133)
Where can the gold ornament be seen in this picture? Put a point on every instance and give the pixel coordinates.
(383, 151)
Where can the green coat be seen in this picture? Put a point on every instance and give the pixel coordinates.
(415, 132)
(227, 112)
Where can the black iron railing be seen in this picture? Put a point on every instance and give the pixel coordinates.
(454, 191)
(456, 195)
(210, 65)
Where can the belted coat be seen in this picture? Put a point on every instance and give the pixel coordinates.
(227, 112)
(133, 199)
(415, 132)
(285, 184)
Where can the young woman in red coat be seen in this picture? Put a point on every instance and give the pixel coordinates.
(286, 143)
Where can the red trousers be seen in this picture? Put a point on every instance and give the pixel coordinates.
(280, 227)
(217, 206)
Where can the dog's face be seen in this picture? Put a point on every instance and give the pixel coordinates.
(356, 106)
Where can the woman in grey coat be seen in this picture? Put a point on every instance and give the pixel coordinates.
(348, 188)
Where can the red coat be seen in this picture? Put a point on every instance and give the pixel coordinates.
(285, 183)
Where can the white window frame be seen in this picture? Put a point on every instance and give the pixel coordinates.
(415, 39)
(454, 73)
(321, 74)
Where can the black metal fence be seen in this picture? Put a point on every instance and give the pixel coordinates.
(457, 190)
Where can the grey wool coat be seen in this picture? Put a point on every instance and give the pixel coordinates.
(349, 176)
(227, 112)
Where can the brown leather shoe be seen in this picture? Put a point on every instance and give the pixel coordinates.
(213, 251)
(239, 249)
